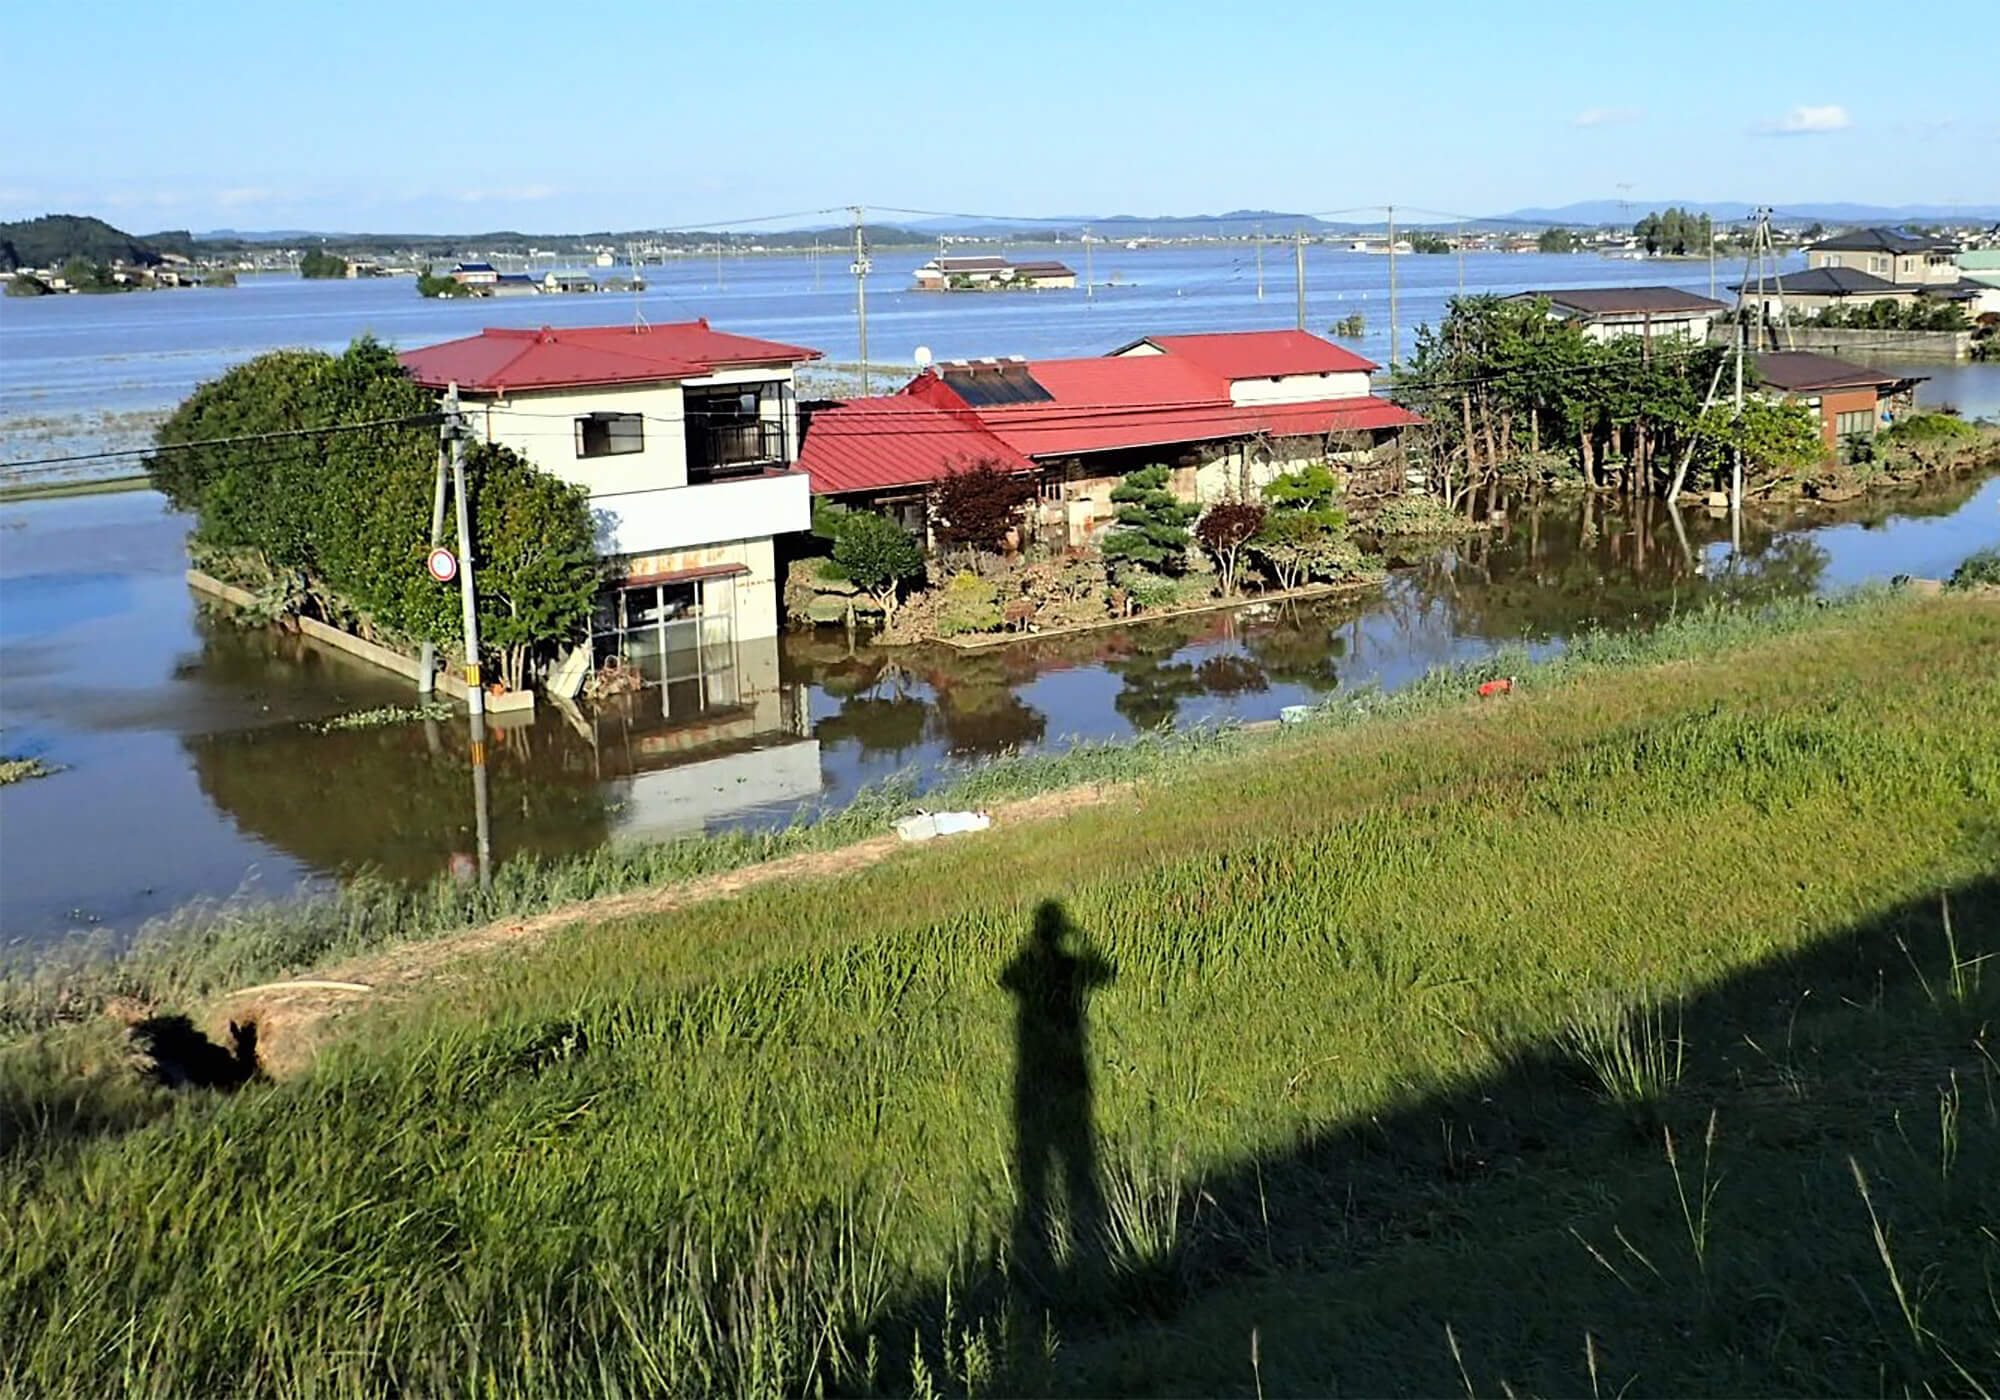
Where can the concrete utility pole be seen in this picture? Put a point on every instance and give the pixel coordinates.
(1392, 288)
(427, 658)
(1299, 266)
(475, 692)
(860, 271)
(1736, 421)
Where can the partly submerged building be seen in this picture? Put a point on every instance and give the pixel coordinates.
(1651, 313)
(1846, 400)
(1226, 412)
(987, 273)
(683, 435)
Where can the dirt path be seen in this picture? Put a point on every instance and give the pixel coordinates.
(296, 1019)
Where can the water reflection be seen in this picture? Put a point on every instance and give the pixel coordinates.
(191, 763)
(647, 765)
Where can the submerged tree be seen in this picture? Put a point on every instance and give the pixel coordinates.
(1151, 531)
(977, 506)
(878, 555)
(338, 518)
(1224, 529)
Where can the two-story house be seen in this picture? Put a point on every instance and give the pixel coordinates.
(684, 437)
(1890, 254)
(1862, 267)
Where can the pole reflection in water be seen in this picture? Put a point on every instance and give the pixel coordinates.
(481, 814)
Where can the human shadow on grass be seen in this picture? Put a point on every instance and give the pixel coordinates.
(1055, 1133)
(1687, 1201)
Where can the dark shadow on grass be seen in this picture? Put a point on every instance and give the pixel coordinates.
(1055, 1132)
(179, 1056)
(1537, 1205)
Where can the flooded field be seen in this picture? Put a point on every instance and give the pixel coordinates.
(194, 765)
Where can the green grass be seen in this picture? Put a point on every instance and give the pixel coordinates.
(210, 947)
(1612, 1036)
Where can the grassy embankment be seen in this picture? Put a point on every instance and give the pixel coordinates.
(1613, 1035)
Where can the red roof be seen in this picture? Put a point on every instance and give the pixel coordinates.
(1047, 431)
(498, 359)
(1257, 354)
(1099, 404)
(897, 440)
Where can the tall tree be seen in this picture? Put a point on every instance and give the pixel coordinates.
(1151, 529)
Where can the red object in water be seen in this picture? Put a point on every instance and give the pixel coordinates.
(1502, 686)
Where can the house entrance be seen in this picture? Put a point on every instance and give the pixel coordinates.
(679, 636)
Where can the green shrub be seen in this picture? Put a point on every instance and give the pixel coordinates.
(970, 604)
(1978, 570)
(1417, 514)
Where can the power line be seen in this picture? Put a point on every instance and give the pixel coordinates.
(417, 420)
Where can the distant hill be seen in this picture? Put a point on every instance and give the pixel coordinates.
(1592, 212)
(56, 238)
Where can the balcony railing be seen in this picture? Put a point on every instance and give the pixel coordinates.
(717, 451)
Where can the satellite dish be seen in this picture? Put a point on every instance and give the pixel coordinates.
(923, 357)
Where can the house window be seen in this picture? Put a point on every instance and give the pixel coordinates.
(1878, 265)
(1858, 422)
(610, 434)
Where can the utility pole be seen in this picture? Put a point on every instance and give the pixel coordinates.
(860, 270)
(1260, 262)
(475, 693)
(427, 659)
(1299, 266)
(1736, 447)
(1392, 288)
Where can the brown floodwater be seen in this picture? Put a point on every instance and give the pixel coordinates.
(192, 766)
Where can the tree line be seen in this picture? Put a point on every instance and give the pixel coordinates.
(335, 524)
(1509, 389)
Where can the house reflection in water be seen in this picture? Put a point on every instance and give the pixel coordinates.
(715, 735)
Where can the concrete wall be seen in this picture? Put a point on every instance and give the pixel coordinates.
(1929, 345)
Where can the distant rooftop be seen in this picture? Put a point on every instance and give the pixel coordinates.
(1626, 301)
(1800, 371)
(1882, 240)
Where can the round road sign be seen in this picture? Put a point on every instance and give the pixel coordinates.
(443, 567)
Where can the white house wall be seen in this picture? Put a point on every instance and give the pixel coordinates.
(542, 428)
(1300, 388)
(1607, 329)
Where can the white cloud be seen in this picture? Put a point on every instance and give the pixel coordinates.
(1808, 121)
(1605, 116)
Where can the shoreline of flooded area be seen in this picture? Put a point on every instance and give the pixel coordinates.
(196, 762)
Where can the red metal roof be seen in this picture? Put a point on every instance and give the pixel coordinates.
(500, 358)
(1099, 404)
(1257, 354)
(896, 440)
(1103, 404)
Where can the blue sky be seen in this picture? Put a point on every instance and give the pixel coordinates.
(615, 115)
